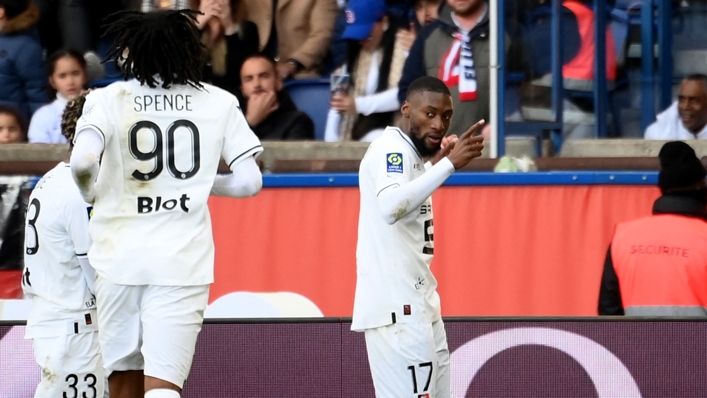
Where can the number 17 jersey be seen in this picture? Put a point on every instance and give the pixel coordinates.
(151, 223)
(394, 283)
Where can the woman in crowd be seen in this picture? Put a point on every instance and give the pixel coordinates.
(376, 54)
(230, 39)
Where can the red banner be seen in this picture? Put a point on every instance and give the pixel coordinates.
(510, 250)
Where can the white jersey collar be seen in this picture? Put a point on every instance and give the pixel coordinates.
(400, 133)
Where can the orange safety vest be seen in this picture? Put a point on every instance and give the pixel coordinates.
(578, 74)
(661, 265)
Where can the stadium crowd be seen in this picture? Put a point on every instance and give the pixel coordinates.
(379, 46)
(413, 77)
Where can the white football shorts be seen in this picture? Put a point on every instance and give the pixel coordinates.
(409, 360)
(71, 366)
(150, 327)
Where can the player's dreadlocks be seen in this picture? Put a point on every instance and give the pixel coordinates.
(71, 115)
(162, 43)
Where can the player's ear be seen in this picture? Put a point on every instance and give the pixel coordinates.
(405, 109)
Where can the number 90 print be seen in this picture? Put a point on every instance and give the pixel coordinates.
(157, 151)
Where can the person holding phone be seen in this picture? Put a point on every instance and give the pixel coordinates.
(377, 50)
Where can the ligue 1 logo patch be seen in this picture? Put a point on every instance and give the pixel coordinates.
(394, 162)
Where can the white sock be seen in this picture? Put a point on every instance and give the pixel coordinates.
(162, 393)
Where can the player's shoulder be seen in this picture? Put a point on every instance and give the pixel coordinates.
(392, 140)
(107, 94)
(53, 182)
(218, 95)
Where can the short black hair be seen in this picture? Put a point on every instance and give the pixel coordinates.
(428, 84)
(260, 56)
(19, 116)
(698, 77)
(62, 53)
(160, 43)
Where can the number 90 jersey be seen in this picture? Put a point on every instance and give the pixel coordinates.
(162, 147)
(394, 283)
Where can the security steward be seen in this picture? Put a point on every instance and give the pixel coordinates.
(657, 265)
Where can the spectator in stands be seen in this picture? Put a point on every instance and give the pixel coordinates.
(269, 111)
(48, 25)
(426, 11)
(80, 22)
(12, 126)
(456, 49)
(656, 266)
(22, 77)
(577, 69)
(230, 39)
(376, 54)
(415, 16)
(686, 118)
(67, 77)
(296, 33)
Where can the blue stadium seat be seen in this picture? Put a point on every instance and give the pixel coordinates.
(311, 97)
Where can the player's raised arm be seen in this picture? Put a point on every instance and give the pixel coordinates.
(427, 113)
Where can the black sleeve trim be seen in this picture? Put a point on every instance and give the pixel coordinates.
(610, 302)
(389, 186)
(243, 154)
(97, 129)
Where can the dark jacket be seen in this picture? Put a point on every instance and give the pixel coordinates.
(431, 45)
(286, 123)
(239, 46)
(23, 80)
(610, 302)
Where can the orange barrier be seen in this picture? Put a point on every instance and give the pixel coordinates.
(506, 250)
(10, 284)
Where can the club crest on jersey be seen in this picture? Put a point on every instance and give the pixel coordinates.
(394, 162)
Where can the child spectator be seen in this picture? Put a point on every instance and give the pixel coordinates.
(12, 127)
(67, 77)
(22, 79)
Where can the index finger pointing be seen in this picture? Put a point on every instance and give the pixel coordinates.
(475, 129)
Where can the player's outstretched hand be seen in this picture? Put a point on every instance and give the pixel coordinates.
(468, 146)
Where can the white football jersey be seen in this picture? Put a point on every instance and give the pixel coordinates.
(394, 282)
(151, 223)
(56, 232)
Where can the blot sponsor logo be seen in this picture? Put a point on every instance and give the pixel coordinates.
(146, 204)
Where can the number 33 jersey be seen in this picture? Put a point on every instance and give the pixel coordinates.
(394, 282)
(56, 233)
(162, 147)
